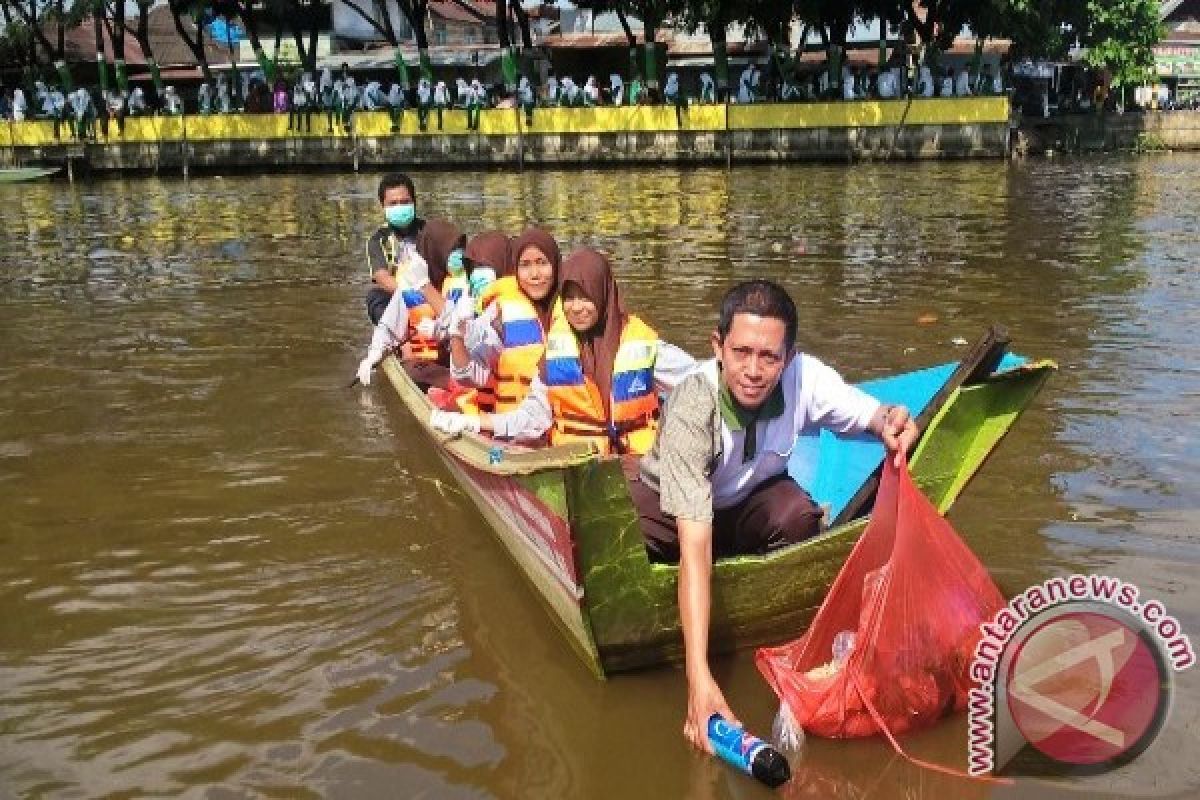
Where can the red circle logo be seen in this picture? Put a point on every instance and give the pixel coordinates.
(1087, 688)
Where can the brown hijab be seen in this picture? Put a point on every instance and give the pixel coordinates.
(542, 240)
(435, 240)
(489, 249)
(591, 271)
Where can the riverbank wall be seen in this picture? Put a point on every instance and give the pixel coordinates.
(1143, 131)
(915, 129)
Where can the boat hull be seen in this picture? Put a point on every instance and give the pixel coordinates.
(566, 518)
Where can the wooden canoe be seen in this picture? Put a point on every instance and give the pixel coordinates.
(565, 516)
(19, 174)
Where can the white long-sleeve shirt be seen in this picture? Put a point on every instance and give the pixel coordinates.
(533, 417)
(391, 329)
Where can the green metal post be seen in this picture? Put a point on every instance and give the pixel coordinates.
(402, 69)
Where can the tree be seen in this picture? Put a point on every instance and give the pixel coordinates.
(1120, 38)
(715, 16)
(139, 31)
(192, 11)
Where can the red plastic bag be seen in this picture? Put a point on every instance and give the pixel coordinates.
(910, 598)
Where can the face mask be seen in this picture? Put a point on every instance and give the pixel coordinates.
(400, 216)
(454, 261)
(481, 278)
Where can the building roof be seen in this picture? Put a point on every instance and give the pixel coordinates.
(453, 12)
(79, 44)
(170, 49)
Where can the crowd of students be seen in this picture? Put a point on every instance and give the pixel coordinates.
(338, 97)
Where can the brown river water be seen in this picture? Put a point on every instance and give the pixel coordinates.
(224, 574)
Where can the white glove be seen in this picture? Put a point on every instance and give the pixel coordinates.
(475, 336)
(427, 328)
(364, 370)
(452, 422)
(417, 272)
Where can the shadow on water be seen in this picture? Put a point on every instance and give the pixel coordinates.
(224, 574)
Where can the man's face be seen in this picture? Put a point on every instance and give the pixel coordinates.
(397, 196)
(753, 356)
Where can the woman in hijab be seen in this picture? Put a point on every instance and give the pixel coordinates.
(465, 289)
(502, 346)
(600, 376)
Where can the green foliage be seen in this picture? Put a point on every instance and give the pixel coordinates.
(1121, 36)
(1149, 143)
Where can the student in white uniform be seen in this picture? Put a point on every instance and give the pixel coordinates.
(962, 83)
(616, 89)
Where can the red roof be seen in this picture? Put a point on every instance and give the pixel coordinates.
(456, 13)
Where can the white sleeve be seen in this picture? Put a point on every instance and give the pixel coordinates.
(671, 365)
(833, 403)
(392, 328)
(483, 347)
(531, 419)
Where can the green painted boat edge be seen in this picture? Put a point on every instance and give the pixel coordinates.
(632, 605)
(21, 174)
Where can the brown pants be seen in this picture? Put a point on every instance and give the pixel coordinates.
(777, 513)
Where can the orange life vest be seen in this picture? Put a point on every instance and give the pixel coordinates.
(575, 399)
(524, 343)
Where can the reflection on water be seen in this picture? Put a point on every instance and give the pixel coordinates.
(221, 571)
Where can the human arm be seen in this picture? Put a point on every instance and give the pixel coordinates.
(390, 331)
(686, 448)
(529, 421)
(695, 605)
(837, 405)
(377, 263)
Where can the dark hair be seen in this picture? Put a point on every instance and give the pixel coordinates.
(762, 299)
(394, 180)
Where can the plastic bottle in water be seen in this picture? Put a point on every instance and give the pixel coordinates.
(747, 752)
(843, 646)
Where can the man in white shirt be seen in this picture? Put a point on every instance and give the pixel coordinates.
(716, 483)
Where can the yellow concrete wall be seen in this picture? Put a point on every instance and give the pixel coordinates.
(35, 133)
(760, 116)
(625, 119)
(239, 126)
(869, 113)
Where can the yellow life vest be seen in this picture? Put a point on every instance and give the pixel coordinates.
(575, 399)
(524, 342)
(454, 287)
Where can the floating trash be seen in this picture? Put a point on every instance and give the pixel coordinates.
(959, 341)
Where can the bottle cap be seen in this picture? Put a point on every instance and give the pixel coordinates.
(771, 768)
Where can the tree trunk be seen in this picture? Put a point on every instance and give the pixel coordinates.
(101, 62)
(195, 45)
(650, 35)
(523, 24)
(384, 28)
(250, 23)
(115, 27)
(717, 34)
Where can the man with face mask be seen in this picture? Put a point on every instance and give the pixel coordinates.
(390, 247)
